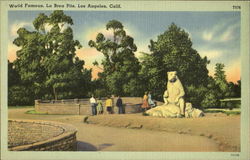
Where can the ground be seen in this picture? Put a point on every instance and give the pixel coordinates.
(134, 132)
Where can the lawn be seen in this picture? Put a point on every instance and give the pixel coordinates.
(234, 111)
(35, 112)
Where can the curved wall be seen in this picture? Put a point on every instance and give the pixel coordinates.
(34, 135)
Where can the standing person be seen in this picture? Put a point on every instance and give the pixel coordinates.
(93, 105)
(99, 106)
(145, 104)
(109, 105)
(113, 102)
(150, 101)
(119, 105)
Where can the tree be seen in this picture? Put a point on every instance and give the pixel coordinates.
(220, 79)
(47, 59)
(13, 76)
(19, 93)
(120, 66)
(238, 89)
(172, 51)
(212, 95)
(28, 63)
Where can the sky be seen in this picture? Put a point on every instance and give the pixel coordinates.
(214, 34)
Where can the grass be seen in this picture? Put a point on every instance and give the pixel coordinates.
(234, 111)
(35, 112)
(16, 107)
(44, 113)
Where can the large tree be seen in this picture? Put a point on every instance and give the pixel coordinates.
(228, 89)
(173, 51)
(120, 66)
(47, 60)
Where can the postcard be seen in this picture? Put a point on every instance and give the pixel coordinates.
(125, 80)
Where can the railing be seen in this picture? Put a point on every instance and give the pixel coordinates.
(230, 103)
(230, 99)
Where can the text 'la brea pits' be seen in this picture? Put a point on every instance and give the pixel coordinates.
(57, 5)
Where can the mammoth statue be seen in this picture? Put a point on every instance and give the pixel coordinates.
(174, 104)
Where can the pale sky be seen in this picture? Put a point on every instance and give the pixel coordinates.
(214, 34)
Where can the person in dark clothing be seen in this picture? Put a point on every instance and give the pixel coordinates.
(119, 105)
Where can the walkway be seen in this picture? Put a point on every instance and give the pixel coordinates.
(99, 138)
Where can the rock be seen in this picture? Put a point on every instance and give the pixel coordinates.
(202, 134)
(135, 126)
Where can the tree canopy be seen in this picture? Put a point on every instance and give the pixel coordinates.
(172, 51)
(120, 66)
(47, 61)
(47, 65)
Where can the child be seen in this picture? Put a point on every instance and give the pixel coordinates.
(99, 106)
(145, 104)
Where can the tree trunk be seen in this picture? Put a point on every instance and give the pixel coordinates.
(54, 91)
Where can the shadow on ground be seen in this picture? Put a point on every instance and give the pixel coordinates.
(105, 145)
(83, 146)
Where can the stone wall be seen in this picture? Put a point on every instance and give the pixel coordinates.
(31, 139)
(82, 106)
(57, 108)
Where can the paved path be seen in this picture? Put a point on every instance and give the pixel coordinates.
(99, 138)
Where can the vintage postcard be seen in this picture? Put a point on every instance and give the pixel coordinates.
(125, 80)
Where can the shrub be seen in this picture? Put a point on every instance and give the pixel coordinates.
(210, 100)
(20, 95)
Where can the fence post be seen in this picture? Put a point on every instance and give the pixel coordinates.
(76, 100)
(37, 101)
(62, 101)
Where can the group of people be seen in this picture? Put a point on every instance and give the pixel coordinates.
(98, 107)
(147, 101)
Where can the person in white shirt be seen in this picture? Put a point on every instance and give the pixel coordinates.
(93, 105)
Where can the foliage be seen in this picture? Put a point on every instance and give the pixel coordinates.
(17, 106)
(18, 92)
(47, 62)
(212, 95)
(226, 111)
(219, 88)
(195, 95)
(234, 90)
(20, 95)
(13, 76)
(98, 88)
(220, 78)
(210, 100)
(47, 66)
(172, 51)
(120, 66)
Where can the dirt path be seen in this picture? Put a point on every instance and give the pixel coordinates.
(100, 138)
(223, 129)
(120, 139)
